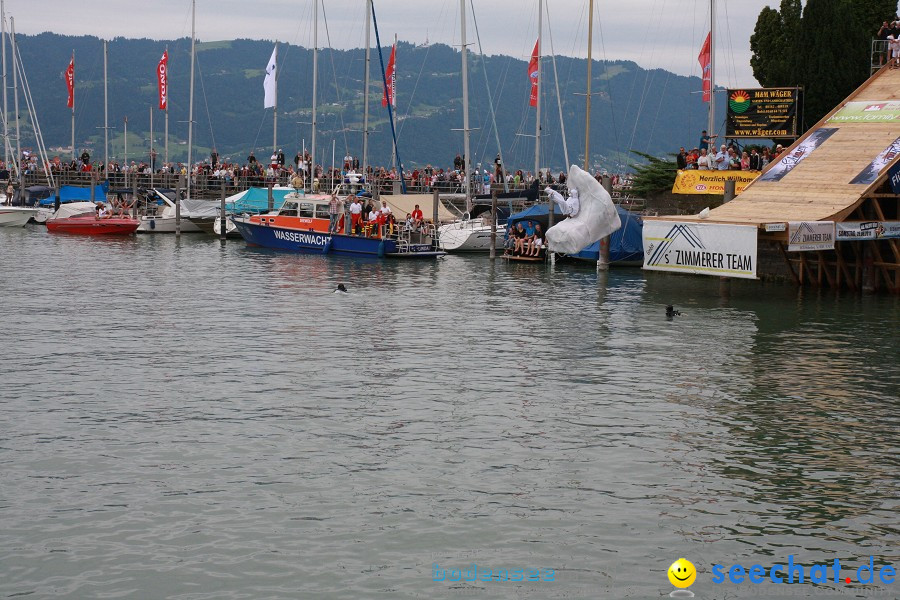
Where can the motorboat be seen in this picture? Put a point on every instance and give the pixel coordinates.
(164, 221)
(16, 216)
(472, 232)
(86, 222)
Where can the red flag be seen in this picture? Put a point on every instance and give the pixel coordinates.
(162, 78)
(70, 82)
(391, 81)
(705, 58)
(533, 74)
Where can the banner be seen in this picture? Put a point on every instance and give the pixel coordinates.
(867, 230)
(711, 182)
(867, 112)
(391, 94)
(762, 113)
(700, 248)
(70, 82)
(533, 74)
(270, 83)
(705, 59)
(162, 80)
(894, 177)
(787, 162)
(868, 175)
(806, 236)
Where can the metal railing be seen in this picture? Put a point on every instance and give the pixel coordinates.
(880, 54)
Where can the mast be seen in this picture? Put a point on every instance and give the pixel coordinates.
(467, 157)
(711, 126)
(152, 162)
(312, 168)
(275, 108)
(365, 160)
(191, 104)
(12, 48)
(105, 116)
(587, 114)
(537, 106)
(5, 110)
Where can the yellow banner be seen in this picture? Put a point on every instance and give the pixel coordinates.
(711, 182)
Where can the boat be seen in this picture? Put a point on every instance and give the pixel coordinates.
(164, 220)
(265, 232)
(252, 200)
(44, 199)
(16, 216)
(472, 232)
(87, 223)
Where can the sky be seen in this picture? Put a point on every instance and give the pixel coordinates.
(664, 34)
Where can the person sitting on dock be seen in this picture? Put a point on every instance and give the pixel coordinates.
(521, 236)
(569, 206)
(536, 242)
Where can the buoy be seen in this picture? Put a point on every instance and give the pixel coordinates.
(152, 223)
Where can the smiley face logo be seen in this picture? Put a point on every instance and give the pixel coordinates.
(682, 573)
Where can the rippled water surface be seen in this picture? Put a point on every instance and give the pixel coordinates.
(182, 419)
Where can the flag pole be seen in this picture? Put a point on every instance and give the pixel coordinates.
(275, 108)
(712, 70)
(5, 111)
(393, 90)
(166, 158)
(105, 115)
(312, 171)
(537, 106)
(73, 104)
(152, 165)
(365, 161)
(12, 47)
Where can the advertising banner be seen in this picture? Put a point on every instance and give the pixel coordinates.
(867, 230)
(868, 175)
(711, 182)
(762, 113)
(700, 248)
(807, 236)
(867, 112)
(787, 162)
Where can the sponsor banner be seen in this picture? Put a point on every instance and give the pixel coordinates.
(867, 112)
(775, 227)
(806, 236)
(762, 113)
(700, 248)
(867, 230)
(894, 176)
(711, 182)
(868, 175)
(162, 80)
(787, 162)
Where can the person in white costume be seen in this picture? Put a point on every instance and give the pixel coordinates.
(570, 205)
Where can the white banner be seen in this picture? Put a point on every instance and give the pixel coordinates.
(867, 230)
(700, 248)
(806, 236)
(270, 83)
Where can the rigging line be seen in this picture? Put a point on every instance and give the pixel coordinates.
(337, 87)
(562, 123)
(669, 72)
(212, 135)
(733, 80)
(608, 78)
(256, 139)
(487, 87)
(647, 80)
(412, 95)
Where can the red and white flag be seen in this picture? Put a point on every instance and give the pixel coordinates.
(391, 92)
(705, 57)
(70, 82)
(533, 74)
(162, 78)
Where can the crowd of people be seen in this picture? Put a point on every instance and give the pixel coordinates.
(525, 239)
(728, 157)
(889, 35)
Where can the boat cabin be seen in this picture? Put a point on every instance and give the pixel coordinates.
(299, 212)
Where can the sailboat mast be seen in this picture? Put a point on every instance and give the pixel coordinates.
(711, 126)
(191, 102)
(537, 105)
(587, 114)
(105, 115)
(12, 48)
(365, 160)
(5, 111)
(73, 105)
(467, 158)
(312, 168)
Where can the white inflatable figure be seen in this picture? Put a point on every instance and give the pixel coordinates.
(569, 206)
(596, 217)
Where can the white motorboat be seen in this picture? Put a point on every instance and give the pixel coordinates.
(468, 235)
(164, 221)
(16, 216)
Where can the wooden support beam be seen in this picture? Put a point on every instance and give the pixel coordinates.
(842, 265)
(790, 266)
(823, 267)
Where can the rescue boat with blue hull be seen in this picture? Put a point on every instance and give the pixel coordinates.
(268, 235)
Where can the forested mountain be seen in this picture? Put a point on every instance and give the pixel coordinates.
(653, 111)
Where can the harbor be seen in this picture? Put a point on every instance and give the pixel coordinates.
(459, 361)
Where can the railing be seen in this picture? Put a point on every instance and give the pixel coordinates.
(880, 54)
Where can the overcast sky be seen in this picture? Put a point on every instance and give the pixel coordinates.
(663, 34)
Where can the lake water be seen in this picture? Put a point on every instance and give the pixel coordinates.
(182, 419)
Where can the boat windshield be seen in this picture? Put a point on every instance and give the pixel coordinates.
(306, 210)
(288, 209)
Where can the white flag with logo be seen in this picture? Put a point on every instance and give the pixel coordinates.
(271, 84)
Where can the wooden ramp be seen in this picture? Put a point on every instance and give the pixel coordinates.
(818, 188)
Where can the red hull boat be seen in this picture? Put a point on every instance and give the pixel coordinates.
(91, 225)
